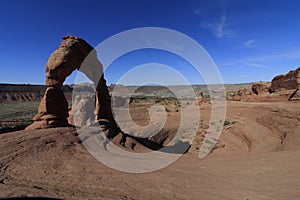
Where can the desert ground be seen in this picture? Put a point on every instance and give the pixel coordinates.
(256, 157)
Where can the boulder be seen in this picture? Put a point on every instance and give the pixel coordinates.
(261, 88)
(244, 92)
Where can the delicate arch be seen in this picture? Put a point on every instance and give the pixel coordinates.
(69, 56)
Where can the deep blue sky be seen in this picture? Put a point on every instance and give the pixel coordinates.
(249, 40)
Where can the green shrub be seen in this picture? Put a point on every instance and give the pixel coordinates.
(226, 123)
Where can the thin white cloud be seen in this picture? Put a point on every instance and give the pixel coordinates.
(254, 64)
(249, 43)
(220, 27)
(262, 61)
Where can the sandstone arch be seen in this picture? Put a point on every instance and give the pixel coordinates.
(75, 53)
(69, 56)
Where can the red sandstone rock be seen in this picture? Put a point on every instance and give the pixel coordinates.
(71, 54)
(285, 82)
(261, 88)
(296, 95)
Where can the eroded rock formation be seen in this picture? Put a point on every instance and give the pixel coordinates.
(74, 53)
(244, 92)
(69, 56)
(296, 95)
(285, 82)
(83, 110)
(261, 88)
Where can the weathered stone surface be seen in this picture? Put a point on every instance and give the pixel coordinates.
(103, 108)
(296, 95)
(53, 109)
(65, 59)
(244, 92)
(261, 88)
(82, 113)
(285, 82)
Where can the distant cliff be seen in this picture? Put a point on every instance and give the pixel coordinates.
(25, 92)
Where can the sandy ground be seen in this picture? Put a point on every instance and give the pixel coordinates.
(259, 159)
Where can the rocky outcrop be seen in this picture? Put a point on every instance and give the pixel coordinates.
(261, 88)
(244, 92)
(239, 95)
(285, 82)
(296, 95)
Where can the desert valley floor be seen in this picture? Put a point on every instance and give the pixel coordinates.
(257, 158)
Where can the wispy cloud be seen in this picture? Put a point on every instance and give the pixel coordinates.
(264, 60)
(254, 64)
(249, 43)
(220, 27)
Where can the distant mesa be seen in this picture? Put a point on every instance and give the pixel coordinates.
(25, 92)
